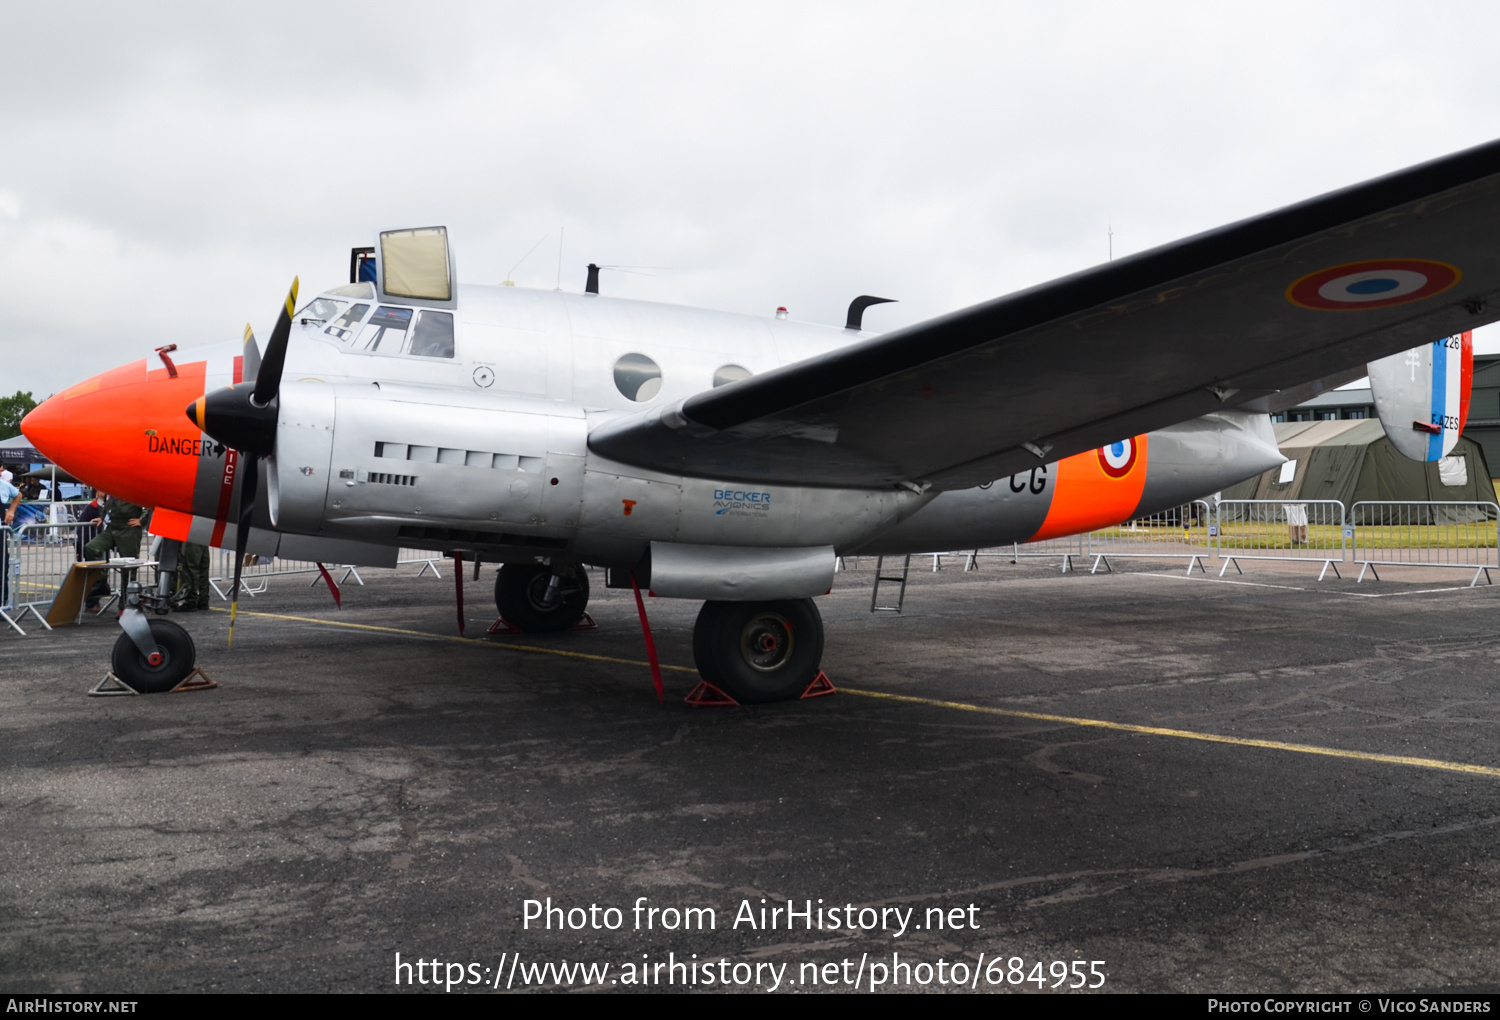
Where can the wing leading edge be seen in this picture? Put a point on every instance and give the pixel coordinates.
(1224, 318)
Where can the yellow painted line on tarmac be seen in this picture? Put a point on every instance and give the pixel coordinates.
(960, 706)
(504, 646)
(1158, 731)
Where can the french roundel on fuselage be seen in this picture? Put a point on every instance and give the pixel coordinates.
(1096, 488)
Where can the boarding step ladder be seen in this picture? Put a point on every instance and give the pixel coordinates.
(875, 606)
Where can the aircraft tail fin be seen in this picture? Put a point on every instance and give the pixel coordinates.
(1422, 395)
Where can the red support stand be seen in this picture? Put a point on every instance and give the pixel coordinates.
(650, 642)
(332, 587)
(458, 581)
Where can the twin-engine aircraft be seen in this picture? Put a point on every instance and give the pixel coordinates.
(731, 459)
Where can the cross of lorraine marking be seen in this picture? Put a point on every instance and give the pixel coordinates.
(1415, 361)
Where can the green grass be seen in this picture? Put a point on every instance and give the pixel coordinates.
(1278, 535)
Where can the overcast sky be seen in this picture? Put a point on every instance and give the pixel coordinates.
(166, 169)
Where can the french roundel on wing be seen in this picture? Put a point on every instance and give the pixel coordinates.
(1376, 283)
(1117, 458)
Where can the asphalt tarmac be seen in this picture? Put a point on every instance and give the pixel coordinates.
(1015, 766)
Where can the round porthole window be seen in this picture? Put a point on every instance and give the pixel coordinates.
(730, 373)
(637, 377)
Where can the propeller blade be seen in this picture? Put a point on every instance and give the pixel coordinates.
(268, 376)
(249, 480)
(251, 362)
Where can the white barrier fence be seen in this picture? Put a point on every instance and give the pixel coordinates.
(1464, 536)
(38, 558)
(1064, 548)
(1281, 529)
(1183, 532)
(1460, 535)
(255, 575)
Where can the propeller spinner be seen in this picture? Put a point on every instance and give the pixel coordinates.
(243, 418)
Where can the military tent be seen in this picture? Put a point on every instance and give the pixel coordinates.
(1352, 460)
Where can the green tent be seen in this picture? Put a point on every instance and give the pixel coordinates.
(1351, 461)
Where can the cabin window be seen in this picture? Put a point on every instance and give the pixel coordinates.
(728, 374)
(347, 323)
(637, 377)
(386, 330)
(433, 335)
(318, 311)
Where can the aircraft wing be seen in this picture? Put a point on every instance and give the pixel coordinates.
(1228, 317)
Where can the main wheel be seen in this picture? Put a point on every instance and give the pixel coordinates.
(521, 596)
(757, 652)
(175, 647)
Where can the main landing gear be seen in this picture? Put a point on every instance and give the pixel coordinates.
(534, 597)
(758, 652)
(755, 652)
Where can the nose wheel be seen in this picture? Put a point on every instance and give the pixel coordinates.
(161, 669)
(758, 652)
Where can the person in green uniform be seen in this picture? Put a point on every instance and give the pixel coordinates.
(122, 533)
(192, 578)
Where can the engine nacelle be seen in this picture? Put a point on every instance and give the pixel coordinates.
(297, 473)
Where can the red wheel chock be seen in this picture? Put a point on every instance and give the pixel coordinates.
(504, 626)
(706, 695)
(197, 680)
(820, 686)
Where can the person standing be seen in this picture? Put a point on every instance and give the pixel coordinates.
(10, 498)
(124, 523)
(192, 578)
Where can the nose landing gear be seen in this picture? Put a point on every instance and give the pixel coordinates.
(536, 598)
(759, 652)
(152, 655)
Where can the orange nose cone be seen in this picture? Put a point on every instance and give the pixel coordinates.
(124, 432)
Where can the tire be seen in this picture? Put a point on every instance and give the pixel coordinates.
(177, 658)
(519, 591)
(759, 652)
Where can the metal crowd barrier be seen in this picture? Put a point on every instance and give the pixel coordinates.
(38, 558)
(258, 570)
(1281, 529)
(426, 557)
(10, 575)
(1066, 548)
(1431, 534)
(1183, 532)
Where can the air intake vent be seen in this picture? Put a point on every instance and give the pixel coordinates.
(384, 479)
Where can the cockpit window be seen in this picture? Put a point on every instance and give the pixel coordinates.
(318, 311)
(344, 326)
(386, 330)
(433, 337)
